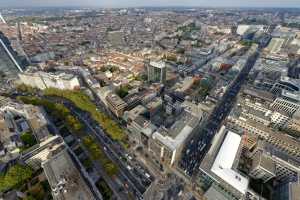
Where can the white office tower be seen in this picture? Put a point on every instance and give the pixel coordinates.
(156, 71)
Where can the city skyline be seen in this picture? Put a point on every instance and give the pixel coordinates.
(136, 100)
(155, 3)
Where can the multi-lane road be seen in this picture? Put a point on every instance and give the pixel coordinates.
(114, 153)
(133, 182)
(198, 146)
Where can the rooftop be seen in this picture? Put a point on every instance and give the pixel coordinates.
(274, 151)
(224, 161)
(178, 132)
(295, 96)
(265, 162)
(213, 194)
(53, 75)
(34, 115)
(64, 178)
(284, 142)
(275, 45)
(158, 64)
(267, 96)
(115, 100)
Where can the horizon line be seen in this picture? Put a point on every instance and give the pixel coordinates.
(146, 6)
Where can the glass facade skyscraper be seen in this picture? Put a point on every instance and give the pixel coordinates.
(9, 65)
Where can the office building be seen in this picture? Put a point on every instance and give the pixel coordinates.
(286, 84)
(281, 141)
(115, 104)
(219, 166)
(289, 190)
(140, 129)
(222, 166)
(275, 45)
(270, 161)
(263, 167)
(285, 105)
(293, 125)
(64, 178)
(259, 111)
(43, 80)
(9, 66)
(156, 72)
(288, 102)
(166, 143)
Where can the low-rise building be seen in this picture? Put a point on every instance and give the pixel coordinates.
(115, 104)
(140, 128)
(17, 119)
(43, 80)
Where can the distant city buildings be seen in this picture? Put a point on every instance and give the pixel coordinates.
(208, 93)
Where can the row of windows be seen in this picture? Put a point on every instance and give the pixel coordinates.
(285, 103)
(292, 149)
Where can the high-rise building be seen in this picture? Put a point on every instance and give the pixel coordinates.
(270, 161)
(2, 20)
(289, 190)
(263, 167)
(9, 66)
(156, 71)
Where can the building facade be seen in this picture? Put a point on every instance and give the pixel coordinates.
(156, 72)
(43, 80)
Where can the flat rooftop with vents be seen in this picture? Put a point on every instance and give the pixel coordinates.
(65, 179)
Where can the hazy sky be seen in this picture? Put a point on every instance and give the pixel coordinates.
(132, 3)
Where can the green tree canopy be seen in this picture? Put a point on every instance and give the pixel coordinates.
(28, 139)
(16, 176)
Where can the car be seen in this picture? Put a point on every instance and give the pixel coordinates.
(129, 167)
(147, 175)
